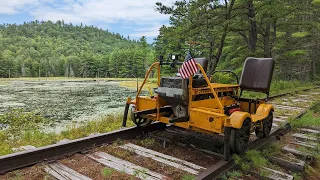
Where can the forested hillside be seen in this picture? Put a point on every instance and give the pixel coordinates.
(57, 49)
(226, 32)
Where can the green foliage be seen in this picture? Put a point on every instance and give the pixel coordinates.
(280, 34)
(118, 142)
(316, 2)
(297, 176)
(281, 86)
(46, 48)
(234, 174)
(35, 136)
(141, 173)
(106, 172)
(20, 123)
(311, 118)
(243, 164)
(264, 173)
(148, 142)
(252, 161)
(272, 149)
(286, 30)
(278, 87)
(224, 78)
(256, 158)
(17, 175)
(298, 52)
(300, 34)
(316, 107)
(188, 177)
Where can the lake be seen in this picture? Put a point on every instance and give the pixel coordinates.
(65, 101)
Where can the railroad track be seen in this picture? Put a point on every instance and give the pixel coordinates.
(154, 152)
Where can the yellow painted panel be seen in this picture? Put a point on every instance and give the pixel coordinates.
(217, 111)
(256, 118)
(206, 120)
(208, 103)
(237, 118)
(264, 109)
(219, 85)
(145, 102)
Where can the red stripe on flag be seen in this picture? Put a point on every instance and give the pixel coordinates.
(183, 71)
(191, 68)
(195, 67)
(188, 68)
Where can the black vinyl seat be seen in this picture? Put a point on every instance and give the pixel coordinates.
(257, 74)
(200, 81)
(203, 62)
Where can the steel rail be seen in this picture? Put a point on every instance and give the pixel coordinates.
(26, 158)
(222, 166)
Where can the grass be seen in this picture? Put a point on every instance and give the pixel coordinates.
(285, 112)
(124, 82)
(188, 177)
(4, 83)
(312, 170)
(272, 149)
(11, 138)
(234, 174)
(278, 87)
(256, 158)
(65, 79)
(118, 142)
(148, 142)
(150, 83)
(310, 119)
(252, 162)
(106, 172)
(141, 173)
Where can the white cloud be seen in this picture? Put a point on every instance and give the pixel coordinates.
(20, 6)
(102, 10)
(99, 12)
(150, 31)
(13, 6)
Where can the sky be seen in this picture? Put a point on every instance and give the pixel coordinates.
(135, 18)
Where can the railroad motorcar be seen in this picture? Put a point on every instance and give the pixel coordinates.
(198, 104)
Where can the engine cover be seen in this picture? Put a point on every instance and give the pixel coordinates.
(174, 90)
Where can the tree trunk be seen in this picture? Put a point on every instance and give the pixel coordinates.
(266, 41)
(210, 57)
(223, 37)
(23, 70)
(253, 36)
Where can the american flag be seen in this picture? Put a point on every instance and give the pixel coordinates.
(188, 67)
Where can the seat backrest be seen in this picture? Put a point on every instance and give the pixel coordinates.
(257, 74)
(203, 62)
